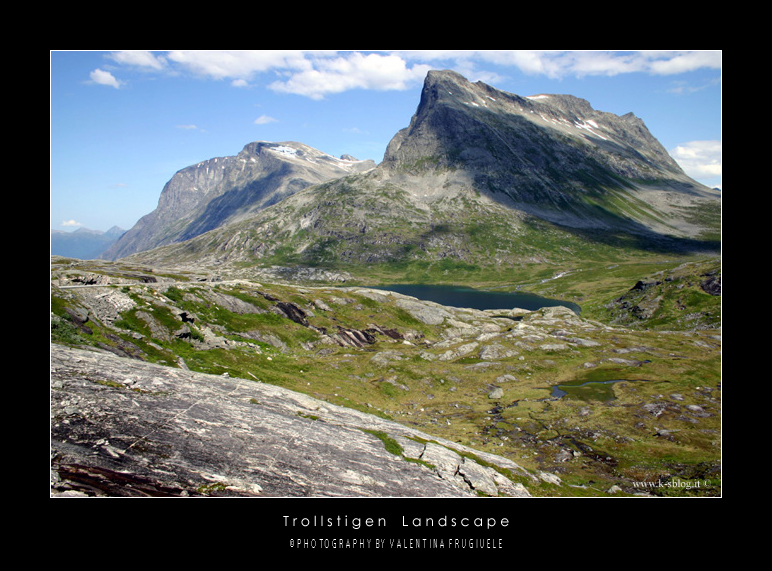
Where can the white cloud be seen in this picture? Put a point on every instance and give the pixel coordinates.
(699, 159)
(560, 63)
(316, 73)
(102, 77)
(352, 71)
(237, 64)
(312, 73)
(684, 88)
(70, 223)
(139, 58)
(264, 120)
(680, 62)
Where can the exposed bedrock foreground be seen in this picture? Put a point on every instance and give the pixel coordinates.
(123, 427)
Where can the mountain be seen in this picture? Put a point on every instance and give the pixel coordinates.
(552, 156)
(226, 345)
(83, 243)
(480, 177)
(215, 192)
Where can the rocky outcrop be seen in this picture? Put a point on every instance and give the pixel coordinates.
(123, 427)
(678, 295)
(712, 283)
(212, 193)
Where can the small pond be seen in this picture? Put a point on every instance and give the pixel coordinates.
(587, 390)
(465, 297)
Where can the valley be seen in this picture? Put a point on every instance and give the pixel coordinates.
(240, 340)
(480, 379)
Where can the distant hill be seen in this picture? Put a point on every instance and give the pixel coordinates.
(83, 243)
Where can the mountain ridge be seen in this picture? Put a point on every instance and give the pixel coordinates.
(83, 243)
(204, 196)
(552, 156)
(476, 169)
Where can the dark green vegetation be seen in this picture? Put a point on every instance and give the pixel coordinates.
(653, 322)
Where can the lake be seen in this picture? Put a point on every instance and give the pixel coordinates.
(456, 296)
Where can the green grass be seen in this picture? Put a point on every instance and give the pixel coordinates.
(615, 441)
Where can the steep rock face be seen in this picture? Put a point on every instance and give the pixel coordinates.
(552, 156)
(212, 193)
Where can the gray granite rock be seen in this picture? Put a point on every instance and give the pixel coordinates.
(123, 427)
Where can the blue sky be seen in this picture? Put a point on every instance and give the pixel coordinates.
(122, 123)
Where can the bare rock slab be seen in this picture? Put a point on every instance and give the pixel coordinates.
(123, 427)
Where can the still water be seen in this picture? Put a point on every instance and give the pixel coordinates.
(455, 296)
(591, 390)
(588, 390)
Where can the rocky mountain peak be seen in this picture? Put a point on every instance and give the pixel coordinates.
(220, 190)
(568, 105)
(295, 151)
(553, 156)
(456, 111)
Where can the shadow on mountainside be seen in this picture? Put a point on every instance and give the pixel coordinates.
(641, 238)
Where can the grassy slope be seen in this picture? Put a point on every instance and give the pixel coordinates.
(613, 442)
